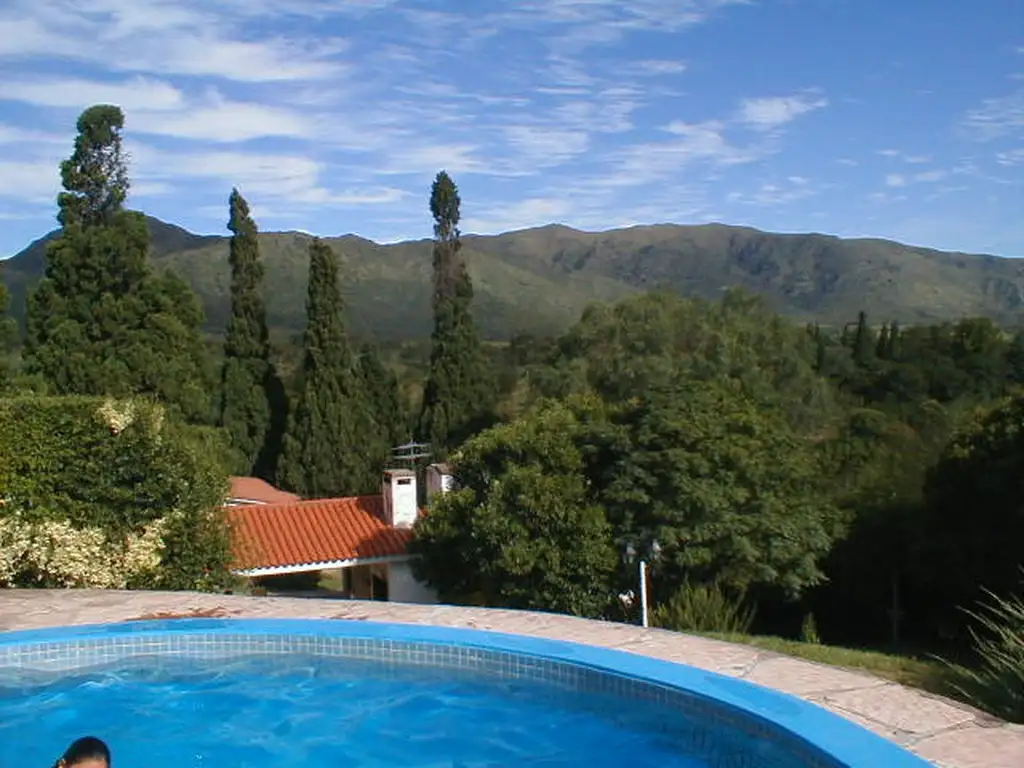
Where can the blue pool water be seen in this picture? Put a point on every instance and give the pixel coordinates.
(305, 711)
(355, 694)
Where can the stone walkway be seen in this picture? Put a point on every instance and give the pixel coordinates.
(949, 734)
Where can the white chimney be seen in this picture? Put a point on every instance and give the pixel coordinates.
(401, 507)
(439, 480)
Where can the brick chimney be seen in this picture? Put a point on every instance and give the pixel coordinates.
(439, 480)
(401, 506)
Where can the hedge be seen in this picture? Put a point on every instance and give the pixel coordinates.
(102, 492)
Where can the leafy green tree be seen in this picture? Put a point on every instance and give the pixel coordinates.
(654, 339)
(252, 407)
(520, 531)
(727, 489)
(458, 396)
(323, 450)
(86, 476)
(1015, 358)
(101, 322)
(974, 519)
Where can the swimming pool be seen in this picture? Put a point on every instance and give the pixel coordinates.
(227, 693)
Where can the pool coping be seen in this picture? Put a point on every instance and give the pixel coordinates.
(847, 744)
(948, 734)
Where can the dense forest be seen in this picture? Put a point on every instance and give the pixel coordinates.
(861, 485)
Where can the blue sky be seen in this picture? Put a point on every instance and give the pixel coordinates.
(892, 118)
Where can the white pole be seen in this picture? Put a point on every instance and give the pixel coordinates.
(643, 593)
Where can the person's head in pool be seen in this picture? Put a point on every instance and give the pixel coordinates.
(87, 752)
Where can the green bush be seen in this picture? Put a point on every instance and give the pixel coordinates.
(809, 630)
(996, 682)
(100, 492)
(704, 608)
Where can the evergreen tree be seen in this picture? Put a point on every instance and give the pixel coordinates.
(883, 346)
(863, 341)
(100, 322)
(458, 396)
(324, 447)
(384, 399)
(894, 340)
(252, 408)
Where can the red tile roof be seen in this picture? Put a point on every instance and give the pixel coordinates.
(254, 489)
(315, 531)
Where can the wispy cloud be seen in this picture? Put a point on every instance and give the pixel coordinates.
(335, 114)
(996, 118)
(767, 114)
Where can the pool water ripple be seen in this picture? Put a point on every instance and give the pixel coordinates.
(291, 712)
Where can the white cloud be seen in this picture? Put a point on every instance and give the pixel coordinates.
(29, 181)
(532, 212)
(224, 121)
(185, 37)
(895, 180)
(137, 93)
(292, 179)
(660, 67)
(770, 113)
(546, 145)
(1012, 157)
(995, 118)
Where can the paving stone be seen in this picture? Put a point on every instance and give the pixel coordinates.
(975, 746)
(903, 708)
(802, 677)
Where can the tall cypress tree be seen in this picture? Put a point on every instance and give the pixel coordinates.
(863, 341)
(458, 396)
(384, 402)
(323, 451)
(252, 408)
(100, 322)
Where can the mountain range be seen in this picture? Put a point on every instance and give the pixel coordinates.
(539, 280)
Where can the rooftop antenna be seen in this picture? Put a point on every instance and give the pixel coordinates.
(411, 454)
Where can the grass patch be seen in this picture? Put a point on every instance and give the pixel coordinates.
(924, 674)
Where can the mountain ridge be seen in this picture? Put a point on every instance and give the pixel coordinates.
(538, 280)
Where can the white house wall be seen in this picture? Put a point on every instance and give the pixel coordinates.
(404, 588)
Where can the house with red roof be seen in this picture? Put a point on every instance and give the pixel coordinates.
(365, 537)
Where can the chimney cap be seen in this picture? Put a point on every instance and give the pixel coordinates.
(399, 473)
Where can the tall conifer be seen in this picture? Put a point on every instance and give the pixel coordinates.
(459, 395)
(323, 451)
(252, 407)
(100, 322)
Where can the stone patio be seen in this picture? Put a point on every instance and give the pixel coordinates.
(949, 734)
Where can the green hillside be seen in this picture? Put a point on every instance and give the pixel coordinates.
(539, 280)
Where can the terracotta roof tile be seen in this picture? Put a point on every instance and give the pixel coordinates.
(254, 489)
(315, 531)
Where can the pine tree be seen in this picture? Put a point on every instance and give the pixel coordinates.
(458, 396)
(883, 346)
(384, 402)
(252, 407)
(895, 340)
(323, 451)
(863, 341)
(100, 322)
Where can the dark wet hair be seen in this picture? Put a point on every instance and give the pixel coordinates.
(85, 748)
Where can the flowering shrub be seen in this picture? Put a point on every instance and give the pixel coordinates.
(55, 554)
(106, 493)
